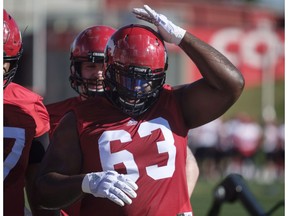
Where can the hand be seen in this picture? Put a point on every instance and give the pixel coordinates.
(170, 32)
(111, 185)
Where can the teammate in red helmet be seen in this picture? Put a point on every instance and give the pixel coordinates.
(86, 69)
(86, 78)
(26, 126)
(139, 129)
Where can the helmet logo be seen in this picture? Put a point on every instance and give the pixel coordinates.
(6, 32)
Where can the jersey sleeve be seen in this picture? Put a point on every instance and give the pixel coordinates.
(41, 117)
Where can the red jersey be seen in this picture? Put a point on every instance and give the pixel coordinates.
(150, 149)
(58, 110)
(25, 117)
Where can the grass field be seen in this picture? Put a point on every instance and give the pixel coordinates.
(250, 102)
(267, 196)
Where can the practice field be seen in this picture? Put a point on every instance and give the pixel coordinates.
(250, 102)
(267, 196)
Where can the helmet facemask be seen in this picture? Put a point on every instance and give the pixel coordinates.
(134, 88)
(8, 76)
(85, 87)
(135, 68)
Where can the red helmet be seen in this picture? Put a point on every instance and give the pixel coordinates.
(135, 65)
(88, 46)
(12, 43)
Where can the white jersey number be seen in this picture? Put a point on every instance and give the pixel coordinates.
(13, 157)
(108, 159)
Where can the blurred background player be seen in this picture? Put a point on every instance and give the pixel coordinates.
(140, 128)
(26, 126)
(86, 78)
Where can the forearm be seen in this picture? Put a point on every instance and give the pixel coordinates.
(56, 191)
(192, 171)
(32, 196)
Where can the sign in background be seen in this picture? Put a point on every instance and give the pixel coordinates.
(253, 51)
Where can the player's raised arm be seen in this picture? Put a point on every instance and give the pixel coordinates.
(222, 83)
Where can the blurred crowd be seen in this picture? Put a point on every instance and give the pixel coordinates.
(239, 145)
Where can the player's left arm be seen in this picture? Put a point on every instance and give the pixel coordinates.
(37, 151)
(220, 87)
(221, 84)
(192, 171)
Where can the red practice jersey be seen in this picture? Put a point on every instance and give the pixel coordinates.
(25, 117)
(150, 149)
(58, 110)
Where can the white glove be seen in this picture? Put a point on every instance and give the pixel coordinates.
(170, 32)
(111, 185)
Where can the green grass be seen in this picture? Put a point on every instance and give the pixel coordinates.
(266, 195)
(250, 102)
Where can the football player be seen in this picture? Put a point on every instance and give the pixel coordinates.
(86, 70)
(86, 77)
(87, 62)
(26, 126)
(140, 128)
